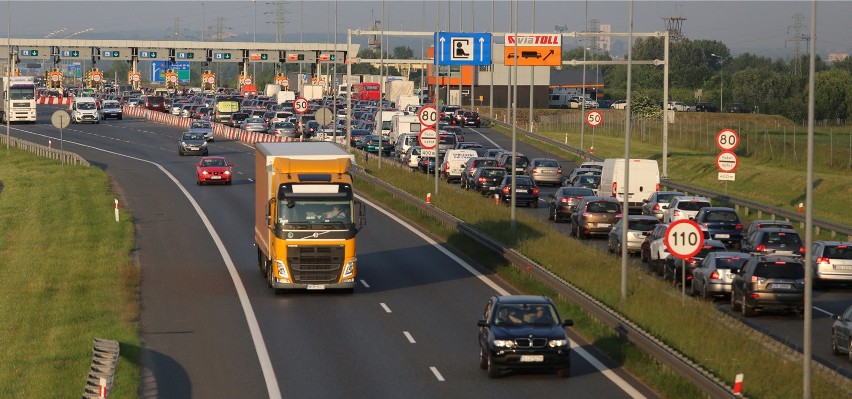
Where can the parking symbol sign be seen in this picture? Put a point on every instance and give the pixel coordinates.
(462, 49)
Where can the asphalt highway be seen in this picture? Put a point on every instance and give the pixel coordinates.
(211, 328)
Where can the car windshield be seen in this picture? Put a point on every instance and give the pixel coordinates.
(201, 125)
(525, 314)
(193, 136)
(214, 162)
(314, 211)
(588, 180)
(85, 105)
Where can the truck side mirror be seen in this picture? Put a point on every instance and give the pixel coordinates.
(362, 220)
(269, 205)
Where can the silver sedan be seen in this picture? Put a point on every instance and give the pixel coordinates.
(638, 228)
(715, 273)
(255, 125)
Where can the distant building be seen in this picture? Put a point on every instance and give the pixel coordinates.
(605, 42)
(835, 57)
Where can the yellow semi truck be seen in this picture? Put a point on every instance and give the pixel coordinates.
(306, 216)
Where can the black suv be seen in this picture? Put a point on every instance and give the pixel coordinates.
(523, 332)
(470, 118)
(769, 282)
(723, 223)
(774, 241)
(706, 107)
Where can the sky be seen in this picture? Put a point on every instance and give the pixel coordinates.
(761, 27)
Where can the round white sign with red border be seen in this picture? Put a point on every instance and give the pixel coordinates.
(428, 116)
(684, 238)
(594, 118)
(727, 161)
(300, 105)
(428, 138)
(727, 140)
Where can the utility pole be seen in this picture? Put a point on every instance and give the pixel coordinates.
(797, 37)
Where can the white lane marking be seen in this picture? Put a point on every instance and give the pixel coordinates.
(823, 310)
(409, 337)
(437, 373)
(385, 307)
(485, 137)
(364, 283)
(620, 382)
(254, 328)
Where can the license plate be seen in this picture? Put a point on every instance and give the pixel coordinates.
(215, 177)
(842, 267)
(603, 224)
(786, 286)
(520, 191)
(532, 358)
(548, 172)
(316, 287)
(723, 236)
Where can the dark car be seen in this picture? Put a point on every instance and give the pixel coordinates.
(192, 143)
(155, 103)
(769, 282)
(714, 275)
(762, 224)
(236, 118)
(427, 164)
(523, 332)
(563, 202)
(595, 215)
(505, 161)
(773, 240)
(674, 266)
(706, 107)
(526, 192)
(356, 135)
(487, 179)
(738, 108)
(841, 334)
(592, 182)
(723, 224)
(470, 167)
(470, 118)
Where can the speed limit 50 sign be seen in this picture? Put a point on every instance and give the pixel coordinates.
(594, 118)
(684, 238)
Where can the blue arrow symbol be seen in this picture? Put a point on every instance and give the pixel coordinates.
(442, 39)
(481, 49)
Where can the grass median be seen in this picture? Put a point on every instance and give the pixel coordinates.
(722, 344)
(67, 278)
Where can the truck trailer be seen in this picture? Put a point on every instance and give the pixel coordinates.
(18, 93)
(306, 217)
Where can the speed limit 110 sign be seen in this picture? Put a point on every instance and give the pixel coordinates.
(684, 238)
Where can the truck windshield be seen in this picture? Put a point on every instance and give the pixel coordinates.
(315, 211)
(21, 93)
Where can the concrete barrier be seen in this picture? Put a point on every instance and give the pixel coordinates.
(102, 370)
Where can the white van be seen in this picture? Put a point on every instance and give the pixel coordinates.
(644, 179)
(453, 165)
(559, 100)
(404, 142)
(403, 124)
(386, 122)
(85, 109)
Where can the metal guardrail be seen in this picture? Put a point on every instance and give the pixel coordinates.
(102, 371)
(703, 379)
(747, 205)
(65, 157)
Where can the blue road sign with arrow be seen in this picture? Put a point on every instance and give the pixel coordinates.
(462, 48)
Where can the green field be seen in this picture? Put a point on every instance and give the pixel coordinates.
(67, 278)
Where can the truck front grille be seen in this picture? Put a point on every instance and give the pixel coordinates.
(315, 264)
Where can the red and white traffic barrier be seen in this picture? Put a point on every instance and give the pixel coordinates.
(738, 386)
(55, 101)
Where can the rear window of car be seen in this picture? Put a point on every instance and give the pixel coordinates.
(578, 191)
(484, 162)
(792, 271)
(448, 139)
(838, 252)
(642, 225)
(665, 198)
(547, 163)
(722, 217)
(602, 207)
(692, 205)
(493, 173)
(783, 238)
(730, 262)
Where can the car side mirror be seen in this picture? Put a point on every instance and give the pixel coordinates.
(567, 322)
(481, 323)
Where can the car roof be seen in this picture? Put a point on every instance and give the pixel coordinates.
(522, 299)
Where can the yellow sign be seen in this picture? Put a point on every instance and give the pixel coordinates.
(532, 49)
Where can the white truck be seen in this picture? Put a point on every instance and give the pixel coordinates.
(271, 90)
(406, 102)
(402, 124)
(285, 95)
(644, 179)
(18, 93)
(396, 88)
(311, 92)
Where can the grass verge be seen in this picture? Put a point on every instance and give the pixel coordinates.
(722, 344)
(67, 278)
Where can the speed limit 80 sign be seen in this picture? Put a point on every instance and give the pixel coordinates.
(684, 238)
(727, 140)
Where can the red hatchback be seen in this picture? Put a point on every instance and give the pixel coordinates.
(213, 170)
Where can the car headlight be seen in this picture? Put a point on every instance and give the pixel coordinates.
(282, 269)
(556, 343)
(204, 172)
(504, 343)
(349, 269)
